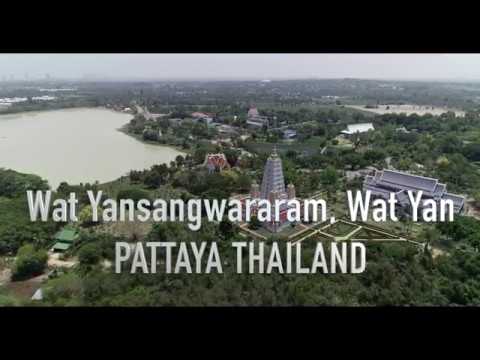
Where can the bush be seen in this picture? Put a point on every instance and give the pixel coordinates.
(133, 194)
(7, 301)
(254, 223)
(13, 183)
(86, 216)
(29, 263)
(64, 289)
(89, 254)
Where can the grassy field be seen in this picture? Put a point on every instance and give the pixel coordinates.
(342, 109)
(343, 143)
(302, 235)
(407, 109)
(311, 146)
(340, 228)
(372, 234)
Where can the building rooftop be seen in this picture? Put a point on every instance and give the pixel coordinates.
(253, 112)
(388, 181)
(38, 295)
(289, 133)
(216, 161)
(409, 180)
(457, 200)
(198, 114)
(66, 235)
(61, 246)
(358, 128)
(273, 175)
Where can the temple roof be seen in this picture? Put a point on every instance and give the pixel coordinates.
(253, 112)
(409, 180)
(457, 200)
(216, 161)
(388, 181)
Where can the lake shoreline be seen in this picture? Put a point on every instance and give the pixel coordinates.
(77, 145)
(155, 143)
(124, 130)
(9, 110)
(121, 129)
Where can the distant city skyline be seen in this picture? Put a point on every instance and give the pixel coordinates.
(453, 67)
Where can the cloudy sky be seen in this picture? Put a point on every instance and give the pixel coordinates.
(241, 66)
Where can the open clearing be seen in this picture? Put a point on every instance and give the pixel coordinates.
(24, 290)
(408, 109)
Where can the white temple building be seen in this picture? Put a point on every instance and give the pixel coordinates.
(358, 128)
(254, 119)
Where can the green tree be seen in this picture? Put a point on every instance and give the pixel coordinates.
(86, 216)
(243, 182)
(29, 262)
(254, 223)
(180, 160)
(226, 228)
(476, 198)
(232, 156)
(89, 254)
(329, 176)
(134, 194)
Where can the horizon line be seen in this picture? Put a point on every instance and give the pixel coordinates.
(105, 78)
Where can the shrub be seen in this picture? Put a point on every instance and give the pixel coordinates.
(89, 254)
(134, 194)
(29, 263)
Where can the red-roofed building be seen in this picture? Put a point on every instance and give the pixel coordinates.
(216, 162)
(253, 112)
(200, 115)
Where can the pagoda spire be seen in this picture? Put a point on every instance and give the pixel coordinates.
(274, 152)
(272, 176)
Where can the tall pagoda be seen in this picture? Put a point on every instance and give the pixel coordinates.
(273, 188)
(273, 176)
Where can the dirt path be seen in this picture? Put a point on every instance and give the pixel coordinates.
(5, 276)
(437, 252)
(25, 289)
(55, 262)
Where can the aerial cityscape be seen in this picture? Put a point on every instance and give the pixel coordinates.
(254, 137)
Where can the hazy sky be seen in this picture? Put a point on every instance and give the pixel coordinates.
(234, 66)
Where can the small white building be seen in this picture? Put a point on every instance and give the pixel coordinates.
(358, 128)
(38, 296)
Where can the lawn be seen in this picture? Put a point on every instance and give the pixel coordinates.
(373, 234)
(302, 235)
(321, 237)
(310, 145)
(340, 228)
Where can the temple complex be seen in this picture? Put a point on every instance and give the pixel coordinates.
(216, 162)
(272, 189)
(255, 120)
(385, 182)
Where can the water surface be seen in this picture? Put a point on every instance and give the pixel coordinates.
(75, 145)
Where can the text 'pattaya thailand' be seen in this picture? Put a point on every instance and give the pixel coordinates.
(246, 257)
(362, 206)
